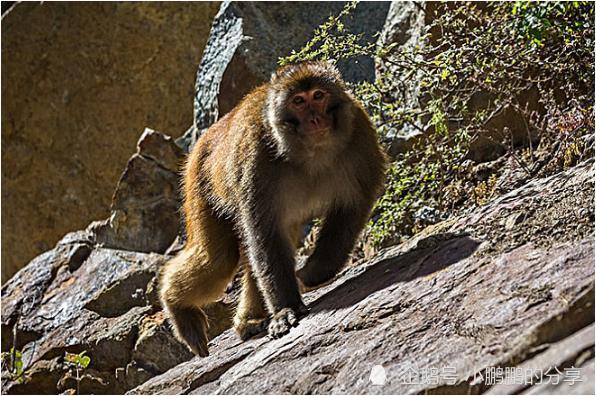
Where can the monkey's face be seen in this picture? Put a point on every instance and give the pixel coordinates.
(309, 110)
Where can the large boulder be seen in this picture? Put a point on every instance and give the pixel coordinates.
(248, 38)
(78, 83)
(437, 313)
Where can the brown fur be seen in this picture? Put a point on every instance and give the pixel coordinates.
(250, 184)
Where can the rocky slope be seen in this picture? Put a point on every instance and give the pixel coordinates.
(461, 298)
(512, 283)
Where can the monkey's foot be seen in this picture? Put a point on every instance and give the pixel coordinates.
(310, 277)
(248, 328)
(284, 320)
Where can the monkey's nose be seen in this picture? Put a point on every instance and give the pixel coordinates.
(316, 121)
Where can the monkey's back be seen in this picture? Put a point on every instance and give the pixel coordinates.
(220, 162)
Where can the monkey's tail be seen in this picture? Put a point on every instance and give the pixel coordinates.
(190, 326)
(176, 295)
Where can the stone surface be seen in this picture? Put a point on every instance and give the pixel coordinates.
(79, 81)
(404, 27)
(248, 38)
(145, 206)
(96, 291)
(101, 307)
(460, 298)
(575, 351)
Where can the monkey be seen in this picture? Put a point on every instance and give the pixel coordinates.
(296, 148)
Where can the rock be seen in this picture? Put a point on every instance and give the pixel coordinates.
(72, 108)
(406, 24)
(248, 38)
(404, 141)
(546, 218)
(160, 148)
(456, 300)
(42, 375)
(572, 351)
(582, 384)
(63, 294)
(90, 294)
(506, 127)
(514, 220)
(155, 349)
(145, 206)
(101, 307)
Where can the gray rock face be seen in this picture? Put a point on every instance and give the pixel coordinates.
(98, 307)
(247, 39)
(460, 298)
(144, 211)
(404, 27)
(511, 283)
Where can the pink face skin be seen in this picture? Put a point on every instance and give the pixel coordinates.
(310, 107)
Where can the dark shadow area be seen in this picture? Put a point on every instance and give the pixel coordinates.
(405, 267)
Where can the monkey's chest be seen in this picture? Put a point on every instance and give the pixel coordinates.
(303, 199)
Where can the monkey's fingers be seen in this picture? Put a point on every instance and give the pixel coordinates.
(284, 320)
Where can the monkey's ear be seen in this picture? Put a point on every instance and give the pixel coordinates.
(282, 71)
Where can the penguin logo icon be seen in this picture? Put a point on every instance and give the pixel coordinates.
(377, 375)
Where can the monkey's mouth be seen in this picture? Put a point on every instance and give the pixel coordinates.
(317, 126)
(316, 132)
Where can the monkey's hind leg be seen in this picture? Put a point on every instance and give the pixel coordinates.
(196, 277)
(251, 316)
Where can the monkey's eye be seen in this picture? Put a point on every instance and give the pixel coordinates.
(318, 95)
(298, 100)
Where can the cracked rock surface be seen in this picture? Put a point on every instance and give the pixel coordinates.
(462, 298)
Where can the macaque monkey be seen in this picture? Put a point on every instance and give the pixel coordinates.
(296, 148)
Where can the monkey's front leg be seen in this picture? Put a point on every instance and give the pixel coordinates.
(334, 245)
(272, 259)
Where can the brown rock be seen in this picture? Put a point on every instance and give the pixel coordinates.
(78, 83)
(145, 206)
(160, 148)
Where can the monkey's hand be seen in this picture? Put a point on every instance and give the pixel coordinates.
(285, 319)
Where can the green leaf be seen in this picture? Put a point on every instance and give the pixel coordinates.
(84, 361)
(18, 364)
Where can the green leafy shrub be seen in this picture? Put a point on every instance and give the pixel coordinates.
(514, 78)
(12, 361)
(77, 362)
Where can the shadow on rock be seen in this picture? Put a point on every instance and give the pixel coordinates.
(403, 267)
